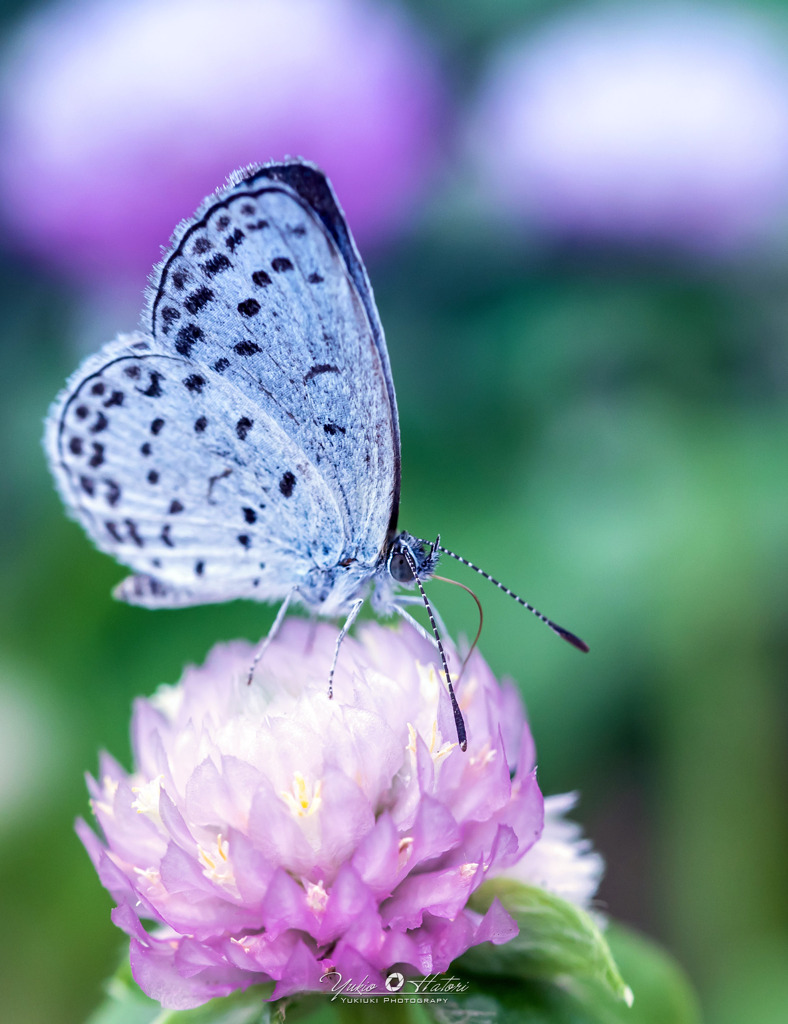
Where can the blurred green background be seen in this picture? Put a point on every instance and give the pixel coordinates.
(604, 428)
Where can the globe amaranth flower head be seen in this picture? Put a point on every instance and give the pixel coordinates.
(272, 834)
(118, 116)
(642, 124)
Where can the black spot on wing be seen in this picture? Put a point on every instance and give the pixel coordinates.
(317, 369)
(244, 540)
(156, 425)
(198, 299)
(213, 481)
(200, 424)
(202, 245)
(82, 412)
(75, 445)
(153, 477)
(221, 364)
(261, 278)
(169, 315)
(148, 586)
(97, 389)
(287, 483)
(133, 533)
(186, 338)
(281, 264)
(97, 458)
(246, 348)
(234, 239)
(249, 307)
(101, 423)
(133, 371)
(216, 264)
(249, 515)
(113, 492)
(199, 568)
(333, 428)
(315, 278)
(165, 536)
(194, 383)
(175, 507)
(154, 387)
(145, 449)
(116, 398)
(242, 427)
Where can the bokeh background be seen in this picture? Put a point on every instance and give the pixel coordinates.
(574, 217)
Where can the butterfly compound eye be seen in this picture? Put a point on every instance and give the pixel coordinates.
(399, 568)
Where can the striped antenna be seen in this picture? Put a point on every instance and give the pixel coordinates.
(458, 720)
(565, 634)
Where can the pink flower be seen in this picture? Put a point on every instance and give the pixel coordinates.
(118, 116)
(273, 835)
(642, 125)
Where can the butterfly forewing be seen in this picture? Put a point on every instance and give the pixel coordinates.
(257, 292)
(251, 438)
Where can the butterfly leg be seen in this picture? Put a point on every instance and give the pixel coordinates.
(408, 599)
(397, 606)
(342, 634)
(264, 644)
(459, 723)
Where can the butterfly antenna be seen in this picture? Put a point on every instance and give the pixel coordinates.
(458, 720)
(472, 648)
(565, 634)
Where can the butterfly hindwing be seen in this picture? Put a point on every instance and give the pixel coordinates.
(174, 475)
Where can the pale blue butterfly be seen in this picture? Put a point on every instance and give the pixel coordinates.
(245, 443)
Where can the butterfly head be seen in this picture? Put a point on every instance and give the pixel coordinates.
(408, 552)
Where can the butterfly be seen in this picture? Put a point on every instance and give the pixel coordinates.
(244, 443)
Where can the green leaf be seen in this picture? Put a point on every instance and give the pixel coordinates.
(500, 1001)
(561, 969)
(663, 994)
(558, 941)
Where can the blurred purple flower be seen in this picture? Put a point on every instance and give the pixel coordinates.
(272, 834)
(119, 116)
(644, 125)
